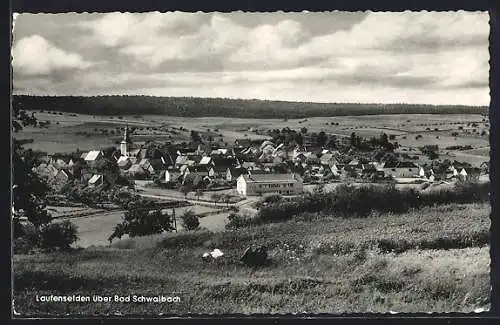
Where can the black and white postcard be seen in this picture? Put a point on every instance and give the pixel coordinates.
(182, 163)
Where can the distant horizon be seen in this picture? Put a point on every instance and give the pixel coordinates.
(253, 99)
(422, 58)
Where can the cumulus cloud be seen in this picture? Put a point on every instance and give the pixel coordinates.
(430, 57)
(34, 55)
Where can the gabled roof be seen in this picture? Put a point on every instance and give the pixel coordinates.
(95, 178)
(93, 155)
(205, 160)
(136, 168)
(67, 173)
(219, 168)
(401, 164)
(181, 160)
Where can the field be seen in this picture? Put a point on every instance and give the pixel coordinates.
(434, 259)
(97, 225)
(87, 132)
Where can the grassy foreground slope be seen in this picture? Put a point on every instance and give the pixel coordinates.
(322, 265)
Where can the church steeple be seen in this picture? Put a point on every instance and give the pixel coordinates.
(124, 145)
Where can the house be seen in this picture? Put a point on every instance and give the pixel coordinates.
(249, 165)
(403, 169)
(243, 143)
(232, 173)
(258, 184)
(206, 160)
(124, 162)
(336, 171)
(181, 160)
(469, 173)
(195, 178)
(146, 165)
(93, 156)
(85, 175)
(217, 172)
(170, 175)
(328, 159)
(484, 167)
(62, 177)
(451, 172)
(136, 171)
(96, 180)
(266, 143)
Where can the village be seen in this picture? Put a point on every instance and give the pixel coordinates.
(251, 167)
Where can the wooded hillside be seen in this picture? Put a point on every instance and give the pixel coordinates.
(224, 107)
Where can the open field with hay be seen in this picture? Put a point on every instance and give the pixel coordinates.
(434, 259)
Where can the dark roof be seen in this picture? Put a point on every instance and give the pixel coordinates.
(270, 178)
(224, 161)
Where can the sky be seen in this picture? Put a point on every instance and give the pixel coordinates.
(366, 57)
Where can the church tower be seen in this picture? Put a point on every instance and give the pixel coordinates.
(124, 145)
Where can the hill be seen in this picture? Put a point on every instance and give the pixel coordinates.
(224, 107)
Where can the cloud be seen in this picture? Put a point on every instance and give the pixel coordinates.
(34, 55)
(383, 57)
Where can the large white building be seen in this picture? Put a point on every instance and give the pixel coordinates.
(258, 184)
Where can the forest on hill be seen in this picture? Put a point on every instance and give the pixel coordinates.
(224, 107)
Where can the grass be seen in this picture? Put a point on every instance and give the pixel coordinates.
(301, 277)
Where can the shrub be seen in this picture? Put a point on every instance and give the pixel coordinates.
(237, 221)
(190, 220)
(186, 239)
(58, 235)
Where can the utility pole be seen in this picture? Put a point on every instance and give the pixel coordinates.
(175, 220)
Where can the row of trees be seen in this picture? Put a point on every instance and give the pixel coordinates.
(196, 107)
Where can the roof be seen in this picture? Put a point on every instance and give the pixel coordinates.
(219, 168)
(83, 155)
(123, 159)
(66, 172)
(95, 178)
(269, 178)
(205, 160)
(134, 152)
(136, 168)
(92, 155)
(180, 160)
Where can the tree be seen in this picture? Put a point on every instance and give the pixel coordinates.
(141, 220)
(216, 197)
(199, 193)
(303, 130)
(322, 138)
(29, 191)
(195, 136)
(185, 189)
(190, 220)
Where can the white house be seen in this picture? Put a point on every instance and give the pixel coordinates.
(93, 156)
(404, 169)
(257, 184)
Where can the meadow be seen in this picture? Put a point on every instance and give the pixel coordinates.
(434, 259)
(69, 132)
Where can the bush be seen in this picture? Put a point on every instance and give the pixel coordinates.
(186, 239)
(237, 221)
(58, 235)
(190, 220)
